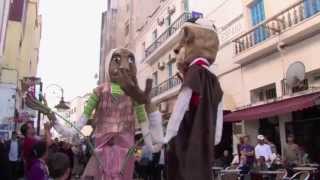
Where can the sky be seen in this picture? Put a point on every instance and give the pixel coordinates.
(70, 46)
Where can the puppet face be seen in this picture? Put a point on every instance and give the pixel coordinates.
(122, 66)
(196, 41)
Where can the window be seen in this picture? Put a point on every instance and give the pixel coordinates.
(302, 86)
(143, 49)
(257, 16)
(109, 4)
(154, 35)
(16, 10)
(264, 93)
(311, 7)
(170, 69)
(168, 20)
(127, 28)
(155, 79)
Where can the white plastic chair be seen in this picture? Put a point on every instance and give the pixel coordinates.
(302, 175)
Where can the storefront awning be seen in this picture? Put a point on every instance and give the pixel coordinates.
(274, 108)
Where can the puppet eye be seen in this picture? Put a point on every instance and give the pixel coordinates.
(117, 59)
(131, 60)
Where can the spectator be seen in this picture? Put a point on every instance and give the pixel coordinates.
(38, 169)
(272, 145)
(14, 156)
(4, 163)
(30, 139)
(66, 149)
(304, 156)
(145, 162)
(247, 150)
(225, 160)
(236, 160)
(59, 166)
(291, 152)
(263, 150)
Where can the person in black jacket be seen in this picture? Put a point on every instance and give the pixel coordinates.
(4, 163)
(14, 148)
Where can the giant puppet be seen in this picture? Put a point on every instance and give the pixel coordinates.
(195, 125)
(118, 103)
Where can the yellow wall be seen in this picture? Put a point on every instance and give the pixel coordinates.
(22, 46)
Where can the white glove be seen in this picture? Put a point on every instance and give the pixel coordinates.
(146, 135)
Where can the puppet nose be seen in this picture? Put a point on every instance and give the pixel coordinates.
(125, 65)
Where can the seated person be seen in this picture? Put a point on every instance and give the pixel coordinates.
(225, 160)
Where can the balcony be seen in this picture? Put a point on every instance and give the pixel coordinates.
(296, 23)
(170, 85)
(166, 36)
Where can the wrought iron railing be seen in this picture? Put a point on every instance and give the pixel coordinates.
(282, 21)
(176, 25)
(165, 86)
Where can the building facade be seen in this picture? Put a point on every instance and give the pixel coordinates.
(20, 53)
(277, 36)
(259, 41)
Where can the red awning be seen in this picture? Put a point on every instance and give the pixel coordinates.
(274, 108)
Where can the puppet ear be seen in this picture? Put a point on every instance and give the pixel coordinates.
(188, 35)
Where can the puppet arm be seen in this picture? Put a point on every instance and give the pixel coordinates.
(151, 127)
(88, 110)
(219, 124)
(179, 111)
(144, 124)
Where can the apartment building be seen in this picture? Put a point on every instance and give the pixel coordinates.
(259, 41)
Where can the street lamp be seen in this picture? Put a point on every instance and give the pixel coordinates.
(62, 104)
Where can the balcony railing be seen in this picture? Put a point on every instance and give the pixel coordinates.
(165, 86)
(176, 25)
(277, 24)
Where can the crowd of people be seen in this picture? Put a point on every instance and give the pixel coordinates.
(148, 165)
(32, 157)
(264, 156)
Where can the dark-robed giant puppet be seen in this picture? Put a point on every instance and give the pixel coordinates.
(195, 125)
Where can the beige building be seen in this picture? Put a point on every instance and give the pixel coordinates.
(20, 49)
(277, 34)
(260, 40)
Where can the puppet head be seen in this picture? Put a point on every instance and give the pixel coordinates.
(120, 63)
(121, 69)
(197, 38)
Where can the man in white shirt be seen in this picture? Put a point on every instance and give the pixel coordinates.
(263, 150)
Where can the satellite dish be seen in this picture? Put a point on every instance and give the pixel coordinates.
(295, 74)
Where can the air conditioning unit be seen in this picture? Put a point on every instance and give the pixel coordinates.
(161, 65)
(163, 107)
(171, 10)
(171, 59)
(160, 21)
